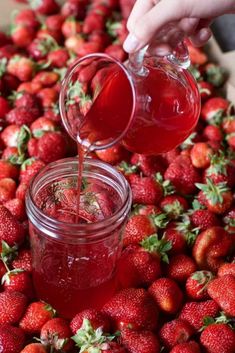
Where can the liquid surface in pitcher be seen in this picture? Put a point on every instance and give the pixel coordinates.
(166, 112)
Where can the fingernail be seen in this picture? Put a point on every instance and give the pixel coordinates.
(204, 34)
(162, 51)
(131, 44)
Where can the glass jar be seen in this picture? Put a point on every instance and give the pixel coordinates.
(74, 264)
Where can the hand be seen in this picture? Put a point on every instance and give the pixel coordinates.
(192, 17)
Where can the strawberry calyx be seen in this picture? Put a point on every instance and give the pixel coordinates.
(215, 75)
(14, 96)
(185, 227)
(90, 340)
(50, 309)
(35, 4)
(174, 209)
(3, 66)
(8, 253)
(195, 72)
(189, 142)
(218, 164)
(23, 138)
(196, 206)
(202, 278)
(127, 168)
(158, 246)
(167, 186)
(61, 72)
(27, 163)
(221, 319)
(74, 92)
(113, 27)
(217, 118)
(160, 220)
(213, 192)
(6, 278)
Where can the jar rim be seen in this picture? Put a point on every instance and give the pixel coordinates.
(75, 231)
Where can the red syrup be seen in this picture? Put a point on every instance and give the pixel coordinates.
(167, 110)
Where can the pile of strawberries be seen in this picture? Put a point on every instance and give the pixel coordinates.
(177, 268)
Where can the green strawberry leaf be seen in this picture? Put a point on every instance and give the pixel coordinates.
(23, 139)
(3, 66)
(8, 253)
(158, 246)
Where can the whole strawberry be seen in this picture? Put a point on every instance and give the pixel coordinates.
(204, 219)
(12, 307)
(96, 318)
(44, 7)
(195, 312)
(35, 316)
(180, 267)
(197, 283)
(218, 338)
(12, 339)
(138, 228)
(145, 190)
(214, 108)
(167, 295)
(222, 291)
(34, 348)
(174, 205)
(183, 175)
(132, 308)
(140, 342)
(23, 260)
(18, 280)
(200, 155)
(11, 231)
(175, 332)
(226, 269)
(188, 347)
(29, 169)
(56, 333)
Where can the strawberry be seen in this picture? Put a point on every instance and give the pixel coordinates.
(21, 67)
(140, 341)
(213, 133)
(138, 228)
(188, 347)
(215, 74)
(8, 170)
(70, 27)
(74, 43)
(48, 97)
(46, 79)
(30, 87)
(17, 208)
(42, 125)
(206, 90)
(44, 7)
(87, 339)
(96, 318)
(50, 147)
(35, 316)
(197, 57)
(228, 124)
(116, 51)
(21, 191)
(175, 332)
(200, 155)
(23, 260)
(56, 333)
(12, 339)
(203, 219)
(4, 39)
(58, 58)
(7, 189)
(213, 109)
(39, 48)
(76, 8)
(4, 107)
(211, 247)
(145, 190)
(174, 205)
(54, 22)
(86, 48)
(22, 36)
(34, 348)
(230, 138)
(18, 280)
(216, 197)
(132, 308)
(167, 295)
(102, 38)
(93, 21)
(183, 175)
(149, 165)
(113, 155)
(181, 267)
(22, 115)
(222, 291)
(29, 169)
(11, 230)
(12, 307)
(146, 210)
(27, 18)
(178, 234)
(10, 153)
(197, 283)
(226, 269)
(195, 312)
(218, 338)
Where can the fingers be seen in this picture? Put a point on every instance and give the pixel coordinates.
(140, 8)
(201, 37)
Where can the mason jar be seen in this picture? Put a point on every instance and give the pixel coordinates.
(74, 263)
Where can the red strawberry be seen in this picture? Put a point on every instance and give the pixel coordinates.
(7, 189)
(22, 115)
(4, 107)
(132, 308)
(213, 133)
(54, 22)
(206, 90)
(74, 43)
(44, 7)
(127, 169)
(8, 170)
(218, 338)
(30, 87)
(145, 190)
(230, 138)
(113, 155)
(35, 316)
(211, 247)
(23, 261)
(70, 27)
(75, 8)
(29, 169)
(58, 58)
(197, 56)
(216, 197)
(11, 231)
(188, 347)
(175, 332)
(195, 312)
(86, 48)
(174, 205)
(93, 21)
(17, 209)
(10, 153)
(116, 51)
(27, 18)
(200, 155)
(56, 333)
(22, 36)
(12, 307)
(18, 280)
(12, 339)
(228, 124)
(146, 210)
(181, 267)
(96, 318)
(149, 165)
(51, 147)
(138, 228)
(21, 67)
(34, 348)
(47, 79)
(140, 342)
(183, 175)
(40, 47)
(42, 125)
(214, 108)
(21, 191)
(222, 291)
(227, 269)
(48, 97)
(167, 295)
(197, 283)
(203, 219)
